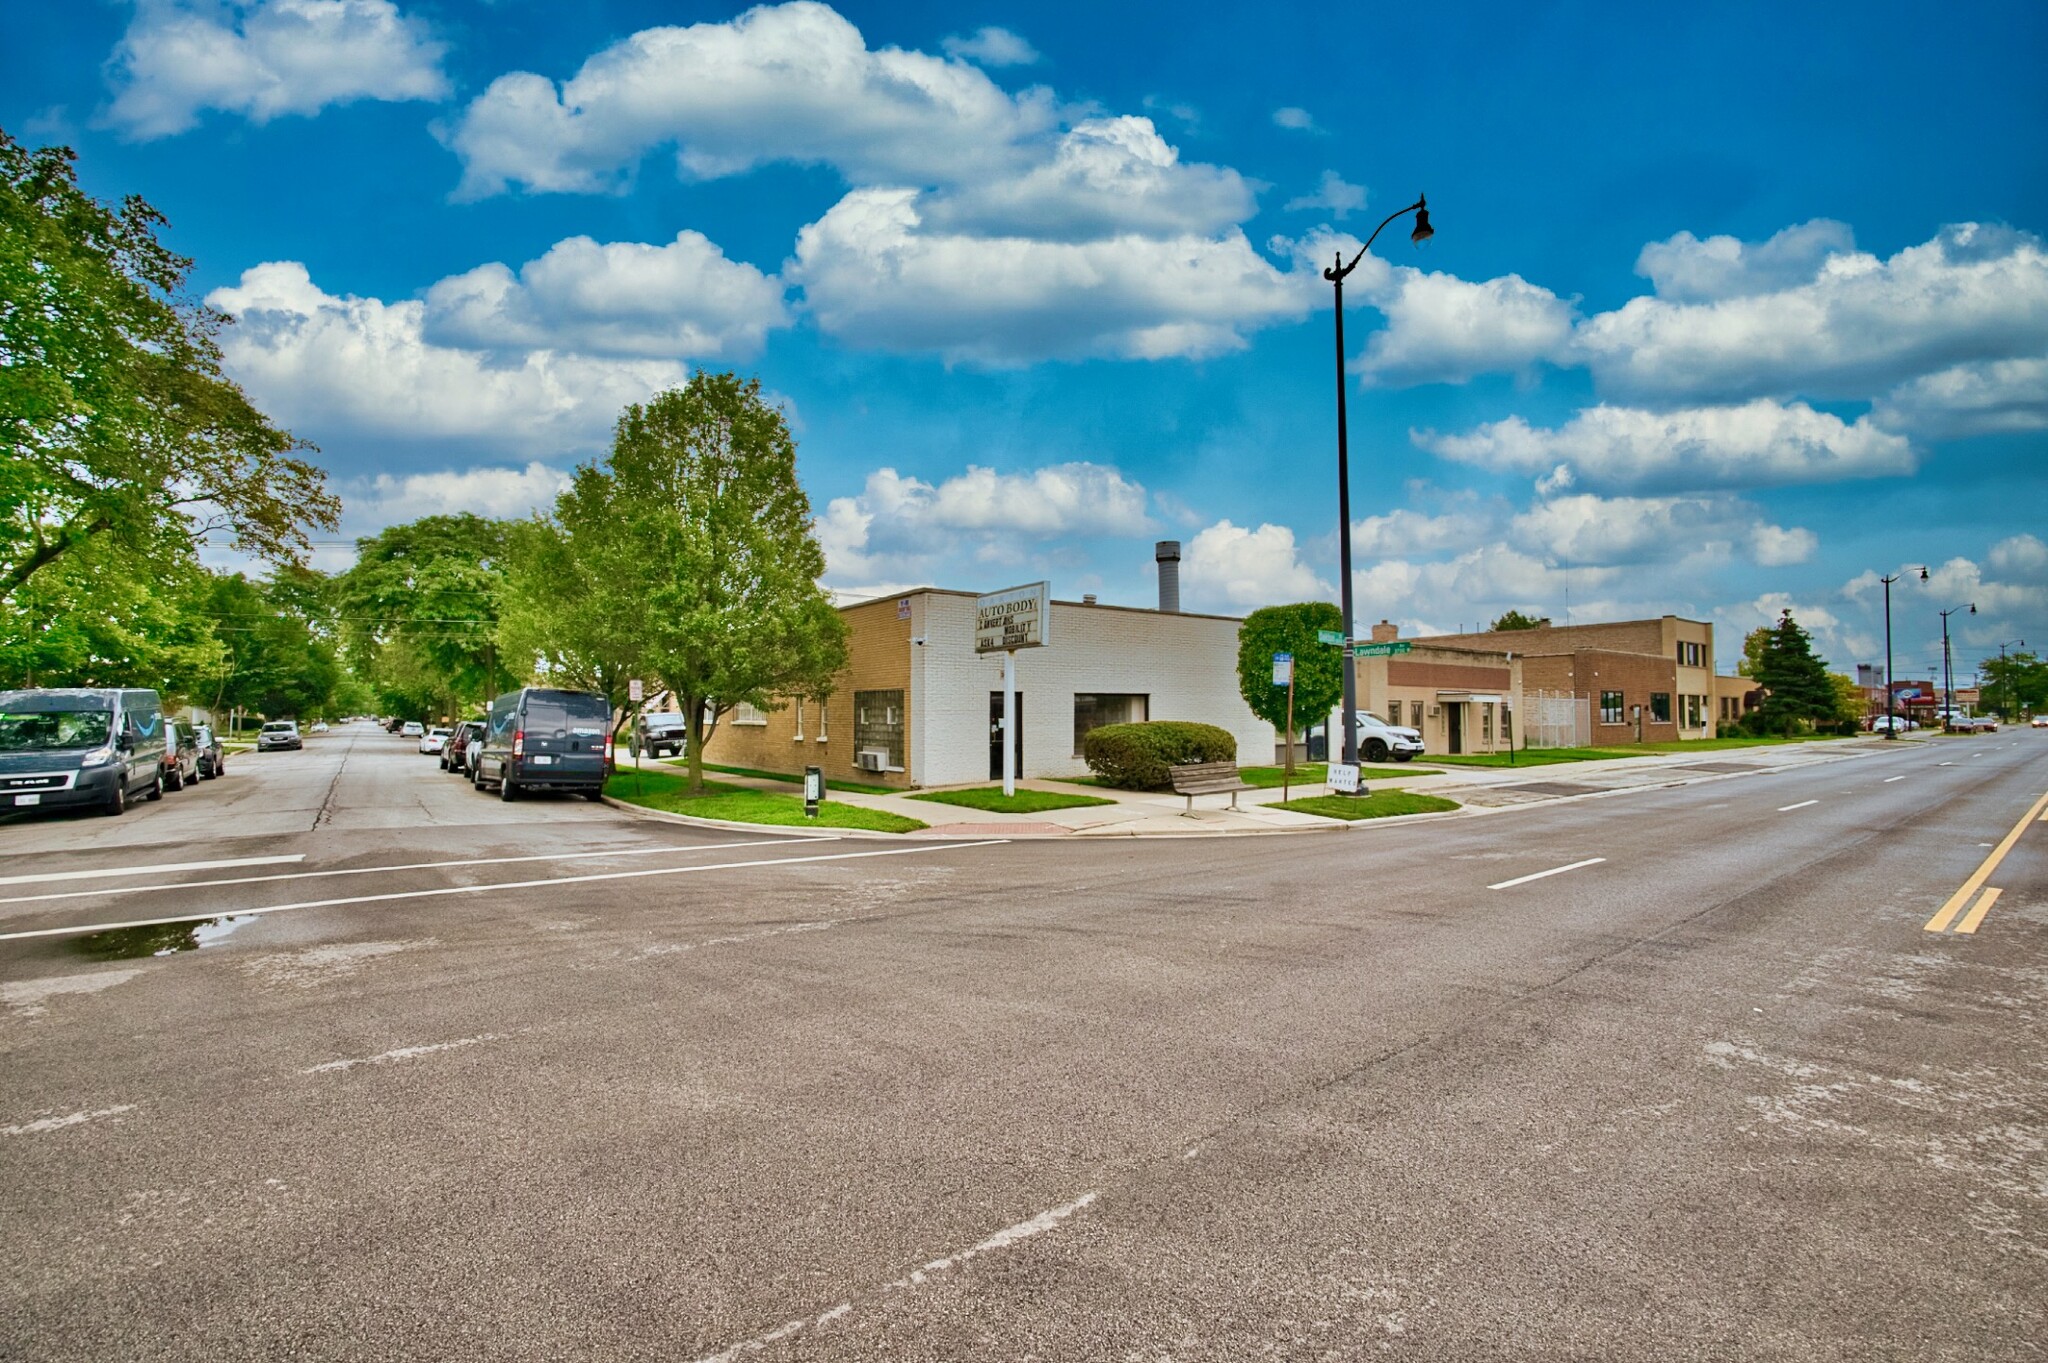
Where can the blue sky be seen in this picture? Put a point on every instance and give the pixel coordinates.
(1729, 307)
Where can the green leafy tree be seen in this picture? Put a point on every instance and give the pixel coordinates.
(698, 525)
(1851, 702)
(97, 617)
(419, 613)
(1318, 667)
(117, 426)
(279, 654)
(560, 605)
(1797, 691)
(1753, 645)
(1516, 620)
(2015, 684)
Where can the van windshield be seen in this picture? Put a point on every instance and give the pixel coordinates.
(34, 731)
(576, 712)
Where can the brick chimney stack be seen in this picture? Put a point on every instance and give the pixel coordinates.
(1385, 633)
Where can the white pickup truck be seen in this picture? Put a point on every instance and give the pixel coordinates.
(1379, 740)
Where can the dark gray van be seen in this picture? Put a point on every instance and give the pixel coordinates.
(71, 747)
(542, 739)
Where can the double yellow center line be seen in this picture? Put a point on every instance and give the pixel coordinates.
(1940, 922)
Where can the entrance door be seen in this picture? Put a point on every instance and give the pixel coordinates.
(1454, 726)
(995, 735)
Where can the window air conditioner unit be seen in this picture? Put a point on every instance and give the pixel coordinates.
(871, 759)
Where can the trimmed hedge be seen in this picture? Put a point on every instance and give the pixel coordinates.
(1136, 756)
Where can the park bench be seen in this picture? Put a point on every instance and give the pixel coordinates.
(1207, 778)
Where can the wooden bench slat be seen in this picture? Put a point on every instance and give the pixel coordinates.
(1208, 778)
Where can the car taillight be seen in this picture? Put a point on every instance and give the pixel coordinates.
(519, 742)
(607, 749)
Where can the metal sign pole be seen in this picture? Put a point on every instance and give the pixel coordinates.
(1009, 722)
(1287, 776)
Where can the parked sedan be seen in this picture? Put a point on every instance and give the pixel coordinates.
(412, 728)
(279, 733)
(455, 756)
(433, 740)
(181, 755)
(2039, 721)
(213, 759)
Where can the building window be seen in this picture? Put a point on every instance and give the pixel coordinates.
(1691, 653)
(1660, 707)
(744, 713)
(1486, 725)
(824, 708)
(878, 726)
(1092, 710)
(1610, 707)
(798, 707)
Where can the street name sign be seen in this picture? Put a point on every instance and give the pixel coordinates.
(1329, 636)
(1017, 617)
(1380, 650)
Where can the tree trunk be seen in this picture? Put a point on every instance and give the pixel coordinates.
(693, 708)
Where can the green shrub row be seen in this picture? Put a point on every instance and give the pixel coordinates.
(1136, 756)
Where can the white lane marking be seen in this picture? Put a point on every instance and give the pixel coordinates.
(1553, 871)
(406, 1053)
(1002, 1239)
(499, 886)
(1786, 809)
(59, 1123)
(1889, 779)
(403, 866)
(1944, 764)
(164, 868)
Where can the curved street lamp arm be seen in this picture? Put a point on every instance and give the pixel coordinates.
(1337, 274)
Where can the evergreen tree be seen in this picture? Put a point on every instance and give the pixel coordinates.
(1795, 680)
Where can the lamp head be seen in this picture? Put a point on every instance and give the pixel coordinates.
(1423, 231)
(1973, 608)
(1923, 574)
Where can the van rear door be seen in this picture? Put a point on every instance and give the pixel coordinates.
(565, 733)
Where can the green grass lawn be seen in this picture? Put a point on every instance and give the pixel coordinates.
(1380, 804)
(661, 790)
(1733, 741)
(857, 787)
(1315, 773)
(992, 799)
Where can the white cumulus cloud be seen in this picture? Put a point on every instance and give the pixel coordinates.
(1859, 326)
(1240, 568)
(1584, 528)
(1755, 444)
(1443, 329)
(264, 59)
(781, 83)
(874, 275)
(1334, 195)
(901, 527)
(1986, 398)
(1685, 268)
(317, 361)
(682, 299)
(991, 46)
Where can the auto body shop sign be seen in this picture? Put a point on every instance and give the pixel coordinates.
(1014, 618)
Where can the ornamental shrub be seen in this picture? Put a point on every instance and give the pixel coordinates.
(1136, 756)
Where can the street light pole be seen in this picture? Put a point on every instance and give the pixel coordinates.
(1948, 676)
(1891, 709)
(2009, 643)
(1336, 274)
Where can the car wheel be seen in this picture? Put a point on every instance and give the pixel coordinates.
(508, 790)
(116, 804)
(174, 779)
(595, 797)
(1375, 750)
(156, 789)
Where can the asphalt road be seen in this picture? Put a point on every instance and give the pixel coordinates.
(668, 1093)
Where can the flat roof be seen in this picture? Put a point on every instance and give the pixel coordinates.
(1078, 605)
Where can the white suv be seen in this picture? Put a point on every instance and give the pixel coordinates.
(1379, 740)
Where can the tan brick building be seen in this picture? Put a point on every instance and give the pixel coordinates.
(1641, 680)
(1460, 698)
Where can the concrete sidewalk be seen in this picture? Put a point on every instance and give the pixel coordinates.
(1478, 789)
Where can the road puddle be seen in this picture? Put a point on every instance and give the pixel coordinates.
(159, 939)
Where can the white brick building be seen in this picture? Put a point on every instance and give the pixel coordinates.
(915, 691)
